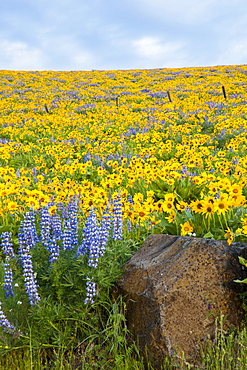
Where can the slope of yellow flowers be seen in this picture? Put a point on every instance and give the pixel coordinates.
(172, 142)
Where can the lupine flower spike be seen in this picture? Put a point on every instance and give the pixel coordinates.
(29, 229)
(104, 231)
(92, 243)
(90, 291)
(73, 220)
(117, 219)
(26, 260)
(70, 235)
(56, 225)
(67, 236)
(53, 248)
(4, 322)
(89, 234)
(45, 226)
(7, 249)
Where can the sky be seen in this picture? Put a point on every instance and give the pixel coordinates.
(72, 35)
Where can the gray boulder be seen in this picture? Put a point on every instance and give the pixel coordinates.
(175, 287)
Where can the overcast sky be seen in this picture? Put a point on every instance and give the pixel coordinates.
(66, 35)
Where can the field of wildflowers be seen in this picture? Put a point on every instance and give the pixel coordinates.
(91, 163)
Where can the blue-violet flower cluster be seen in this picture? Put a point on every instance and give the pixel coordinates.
(25, 242)
(7, 249)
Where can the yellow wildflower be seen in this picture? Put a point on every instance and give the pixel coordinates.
(229, 235)
(186, 228)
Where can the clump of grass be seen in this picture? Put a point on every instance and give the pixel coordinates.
(228, 351)
(106, 346)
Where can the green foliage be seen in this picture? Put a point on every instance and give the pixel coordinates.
(243, 262)
(61, 332)
(61, 323)
(227, 351)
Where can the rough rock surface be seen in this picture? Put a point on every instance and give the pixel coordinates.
(174, 288)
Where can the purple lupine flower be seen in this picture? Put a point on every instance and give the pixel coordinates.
(67, 236)
(26, 260)
(90, 291)
(104, 231)
(18, 173)
(91, 245)
(217, 196)
(184, 170)
(45, 226)
(53, 248)
(73, 221)
(9, 252)
(4, 322)
(60, 206)
(130, 199)
(87, 234)
(6, 244)
(56, 226)
(87, 157)
(65, 213)
(8, 281)
(94, 246)
(117, 219)
(29, 229)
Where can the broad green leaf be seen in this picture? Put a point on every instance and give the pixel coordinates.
(208, 235)
(242, 260)
(241, 281)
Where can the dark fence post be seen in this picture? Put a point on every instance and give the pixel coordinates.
(169, 96)
(224, 91)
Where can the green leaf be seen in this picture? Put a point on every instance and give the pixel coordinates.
(189, 215)
(208, 235)
(164, 223)
(242, 260)
(241, 281)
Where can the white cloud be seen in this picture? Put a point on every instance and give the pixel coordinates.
(235, 52)
(53, 53)
(64, 52)
(180, 11)
(20, 56)
(72, 35)
(158, 54)
(191, 13)
(81, 60)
